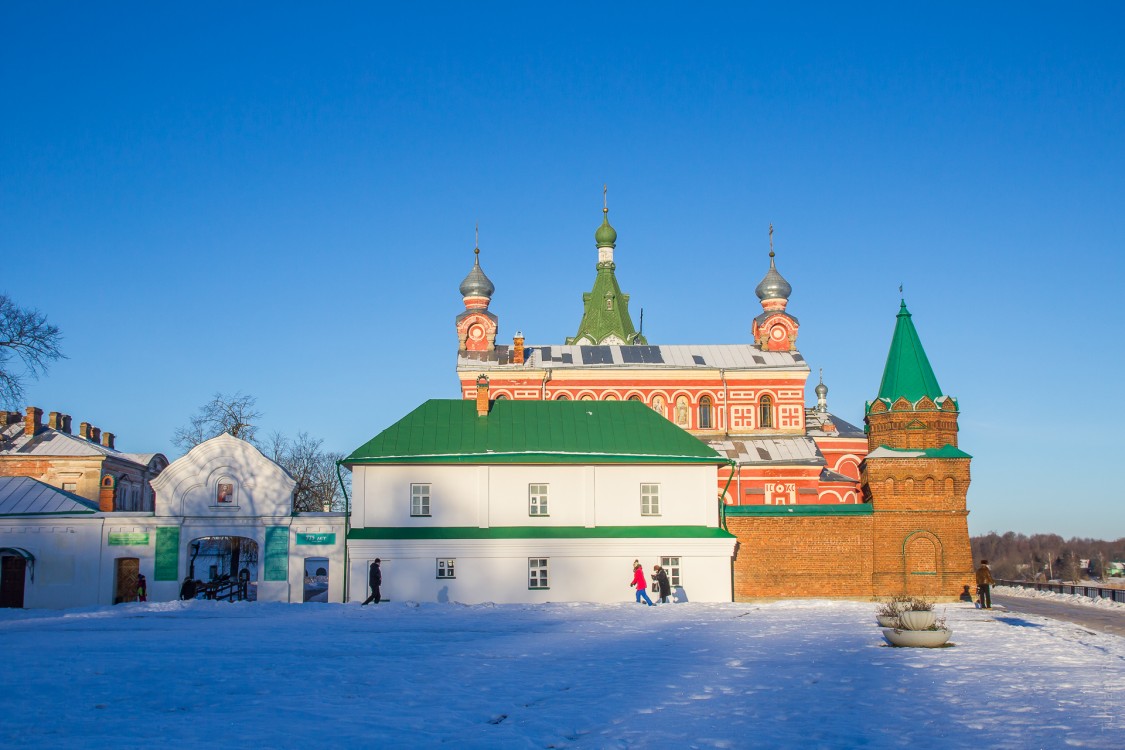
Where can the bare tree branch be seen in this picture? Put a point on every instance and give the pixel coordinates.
(231, 414)
(26, 335)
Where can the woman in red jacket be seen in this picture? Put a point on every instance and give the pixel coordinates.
(639, 583)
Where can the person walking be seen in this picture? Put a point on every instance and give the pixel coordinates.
(142, 588)
(660, 583)
(375, 580)
(984, 584)
(640, 584)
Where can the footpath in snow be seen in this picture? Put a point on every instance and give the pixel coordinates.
(813, 674)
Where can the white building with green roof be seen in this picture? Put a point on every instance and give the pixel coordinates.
(535, 501)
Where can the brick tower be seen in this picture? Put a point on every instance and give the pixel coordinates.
(915, 477)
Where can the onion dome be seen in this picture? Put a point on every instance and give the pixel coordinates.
(773, 286)
(606, 236)
(476, 284)
(821, 390)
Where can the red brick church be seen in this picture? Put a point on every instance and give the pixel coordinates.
(820, 507)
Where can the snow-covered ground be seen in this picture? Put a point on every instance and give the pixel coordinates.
(811, 674)
(1084, 601)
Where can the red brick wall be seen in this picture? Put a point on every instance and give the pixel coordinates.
(801, 557)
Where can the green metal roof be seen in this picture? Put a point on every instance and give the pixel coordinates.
(606, 312)
(908, 372)
(446, 431)
(946, 451)
(541, 532)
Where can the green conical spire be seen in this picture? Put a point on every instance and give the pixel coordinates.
(908, 373)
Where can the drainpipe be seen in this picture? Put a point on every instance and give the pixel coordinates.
(722, 505)
(546, 377)
(347, 527)
(726, 403)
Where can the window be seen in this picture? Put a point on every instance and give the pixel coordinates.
(635, 397)
(563, 397)
(671, 566)
(70, 486)
(537, 573)
(537, 500)
(445, 568)
(765, 412)
(650, 499)
(705, 413)
(419, 499)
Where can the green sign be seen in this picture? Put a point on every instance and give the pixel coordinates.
(167, 567)
(128, 538)
(277, 553)
(316, 538)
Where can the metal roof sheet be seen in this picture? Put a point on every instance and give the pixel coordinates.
(772, 450)
(816, 421)
(619, 356)
(51, 442)
(450, 431)
(24, 496)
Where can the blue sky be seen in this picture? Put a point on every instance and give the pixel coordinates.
(280, 200)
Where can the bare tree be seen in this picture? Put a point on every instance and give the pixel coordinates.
(235, 415)
(25, 334)
(314, 469)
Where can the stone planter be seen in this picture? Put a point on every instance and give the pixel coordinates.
(917, 638)
(887, 622)
(915, 620)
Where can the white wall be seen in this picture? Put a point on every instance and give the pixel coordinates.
(67, 554)
(483, 496)
(589, 570)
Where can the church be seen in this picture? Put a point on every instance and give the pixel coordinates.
(819, 507)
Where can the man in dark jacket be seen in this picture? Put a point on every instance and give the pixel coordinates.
(661, 584)
(374, 579)
(984, 584)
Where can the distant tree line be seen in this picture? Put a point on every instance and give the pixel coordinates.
(312, 467)
(1043, 557)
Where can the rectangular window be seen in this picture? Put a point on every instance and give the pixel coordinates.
(419, 499)
(70, 486)
(537, 500)
(445, 568)
(537, 573)
(671, 566)
(650, 499)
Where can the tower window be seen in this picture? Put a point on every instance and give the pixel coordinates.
(765, 412)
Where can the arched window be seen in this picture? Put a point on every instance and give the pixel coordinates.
(634, 397)
(765, 412)
(501, 397)
(562, 397)
(705, 413)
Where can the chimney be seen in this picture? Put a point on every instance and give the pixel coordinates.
(54, 420)
(107, 440)
(66, 423)
(32, 422)
(8, 417)
(517, 348)
(482, 395)
(106, 493)
(84, 430)
(95, 435)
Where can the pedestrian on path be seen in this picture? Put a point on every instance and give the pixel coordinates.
(660, 583)
(984, 585)
(640, 584)
(375, 580)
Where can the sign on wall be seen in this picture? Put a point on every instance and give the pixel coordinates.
(322, 538)
(128, 538)
(167, 565)
(277, 553)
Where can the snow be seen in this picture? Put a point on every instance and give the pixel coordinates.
(808, 673)
(1084, 601)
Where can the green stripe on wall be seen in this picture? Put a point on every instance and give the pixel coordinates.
(540, 532)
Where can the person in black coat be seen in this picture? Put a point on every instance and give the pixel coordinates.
(663, 586)
(375, 580)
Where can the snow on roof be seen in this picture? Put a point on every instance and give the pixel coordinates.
(24, 496)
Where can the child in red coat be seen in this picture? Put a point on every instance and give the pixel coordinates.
(640, 584)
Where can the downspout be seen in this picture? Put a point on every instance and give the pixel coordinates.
(546, 377)
(722, 505)
(726, 402)
(347, 527)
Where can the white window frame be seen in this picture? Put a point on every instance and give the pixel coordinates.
(650, 498)
(420, 500)
(538, 573)
(537, 495)
(673, 566)
(446, 567)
